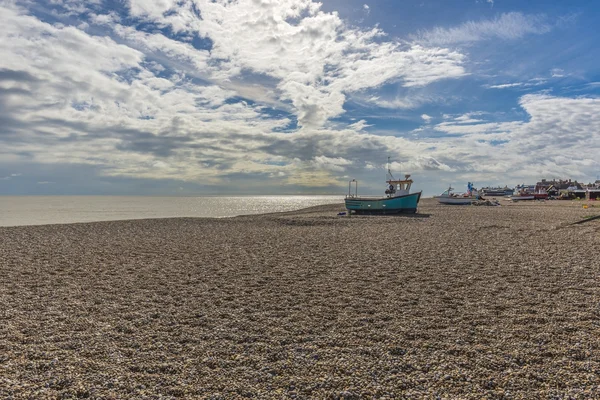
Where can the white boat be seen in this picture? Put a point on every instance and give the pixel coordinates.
(449, 197)
(524, 192)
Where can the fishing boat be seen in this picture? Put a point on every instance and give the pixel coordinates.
(398, 198)
(450, 197)
(525, 192)
(522, 196)
(497, 191)
(529, 196)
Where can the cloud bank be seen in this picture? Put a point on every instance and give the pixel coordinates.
(255, 94)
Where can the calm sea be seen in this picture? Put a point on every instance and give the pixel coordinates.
(39, 210)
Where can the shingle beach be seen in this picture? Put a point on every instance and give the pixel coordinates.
(452, 303)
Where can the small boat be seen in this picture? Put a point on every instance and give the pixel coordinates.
(522, 197)
(497, 191)
(398, 198)
(449, 197)
(526, 193)
(529, 196)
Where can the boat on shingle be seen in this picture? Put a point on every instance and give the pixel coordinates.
(398, 198)
(450, 197)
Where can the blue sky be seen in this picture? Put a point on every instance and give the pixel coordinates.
(186, 97)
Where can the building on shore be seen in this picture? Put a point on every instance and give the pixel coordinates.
(568, 189)
(592, 190)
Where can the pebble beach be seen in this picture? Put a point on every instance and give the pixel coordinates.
(454, 302)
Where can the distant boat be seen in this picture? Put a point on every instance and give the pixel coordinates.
(529, 196)
(526, 193)
(450, 197)
(398, 198)
(497, 191)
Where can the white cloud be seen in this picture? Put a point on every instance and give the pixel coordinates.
(108, 109)
(558, 129)
(529, 83)
(329, 163)
(505, 85)
(406, 99)
(359, 125)
(393, 103)
(145, 105)
(420, 164)
(313, 56)
(172, 50)
(154, 9)
(105, 19)
(468, 117)
(507, 26)
(10, 176)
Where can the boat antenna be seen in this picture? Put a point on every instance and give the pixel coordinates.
(389, 170)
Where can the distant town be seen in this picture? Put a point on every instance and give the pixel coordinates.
(555, 189)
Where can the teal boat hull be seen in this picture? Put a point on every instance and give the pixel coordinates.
(387, 205)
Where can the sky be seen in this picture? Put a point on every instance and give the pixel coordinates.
(203, 97)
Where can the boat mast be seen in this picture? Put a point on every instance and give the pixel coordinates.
(389, 171)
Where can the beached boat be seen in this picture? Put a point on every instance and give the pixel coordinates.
(450, 197)
(529, 196)
(497, 191)
(398, 198)
(526, 193)
(522, 197)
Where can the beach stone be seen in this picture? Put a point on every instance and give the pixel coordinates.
(451, 302)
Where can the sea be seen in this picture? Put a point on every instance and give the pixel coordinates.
(42, 210)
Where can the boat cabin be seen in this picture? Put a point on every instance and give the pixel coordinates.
(399, 187)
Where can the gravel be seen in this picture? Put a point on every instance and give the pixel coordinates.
(453, 302)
